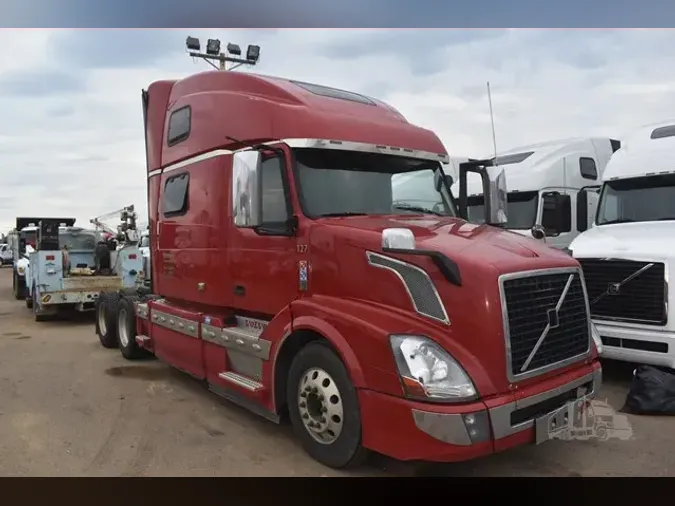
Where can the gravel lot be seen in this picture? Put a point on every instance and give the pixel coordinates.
(69, 407)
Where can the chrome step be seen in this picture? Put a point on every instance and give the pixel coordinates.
(240, 380)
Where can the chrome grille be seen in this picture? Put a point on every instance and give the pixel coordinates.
(417, 283)
(546, 320)
(626, 290)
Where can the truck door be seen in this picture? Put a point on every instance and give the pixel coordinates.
(263, 267)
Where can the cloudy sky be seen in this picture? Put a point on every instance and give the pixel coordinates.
(71, 139)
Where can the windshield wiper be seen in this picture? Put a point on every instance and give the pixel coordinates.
(621, 220)
(666, 218)
(345, 213)
(417, 209)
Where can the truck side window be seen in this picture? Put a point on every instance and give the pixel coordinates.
(175, 202)
(548, 215)
(179, 125)
(274, 208)
(588, 168)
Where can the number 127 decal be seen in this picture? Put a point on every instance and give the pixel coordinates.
(302, 248)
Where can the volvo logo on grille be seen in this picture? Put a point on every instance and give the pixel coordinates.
(615, 288)
(553, 318)
(553, 321)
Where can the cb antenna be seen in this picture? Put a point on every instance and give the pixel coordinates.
(492, 120)
(213, 53)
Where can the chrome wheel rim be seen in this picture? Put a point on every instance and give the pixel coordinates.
(102, 325)
(122, 328)
(320, 406)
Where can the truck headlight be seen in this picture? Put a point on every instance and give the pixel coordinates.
(597, 340)
(21, 270)
(428, 372)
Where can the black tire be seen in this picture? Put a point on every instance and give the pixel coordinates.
(37, 315)
(29, 302)
(126, 324)
(346, 450)
(107, 305)
(18, 287)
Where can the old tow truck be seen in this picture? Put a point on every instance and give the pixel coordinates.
(66, 271)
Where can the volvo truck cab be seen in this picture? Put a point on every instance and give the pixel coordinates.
(628, 255)
(288, 278)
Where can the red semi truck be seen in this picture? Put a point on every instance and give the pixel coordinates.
(289, 276)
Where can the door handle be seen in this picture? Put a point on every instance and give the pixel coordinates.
(239, 290)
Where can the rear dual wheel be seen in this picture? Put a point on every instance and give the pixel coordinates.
(126, 327)
(107, 305)
(18, 286)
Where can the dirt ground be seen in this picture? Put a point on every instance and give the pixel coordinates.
(69, 407)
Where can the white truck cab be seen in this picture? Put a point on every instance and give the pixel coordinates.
(628, 255)
(542, 182)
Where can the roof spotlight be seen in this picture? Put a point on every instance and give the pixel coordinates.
(213, 47)
(253, 53)
(234, 49)
(193, 44)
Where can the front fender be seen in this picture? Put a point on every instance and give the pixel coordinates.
(359, 331)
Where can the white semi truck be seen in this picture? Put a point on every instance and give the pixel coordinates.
(628, 255)
(543, 181)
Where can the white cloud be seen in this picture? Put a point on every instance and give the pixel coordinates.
(81, 153)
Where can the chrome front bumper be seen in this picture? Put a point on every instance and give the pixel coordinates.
(471, 428)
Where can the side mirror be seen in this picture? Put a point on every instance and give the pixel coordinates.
(438, 181)
(556, 216)
(494, 190)
(538, 233)
(247, 189)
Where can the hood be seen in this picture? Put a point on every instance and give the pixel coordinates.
(463, 242)
(481, 252)
(649, 240)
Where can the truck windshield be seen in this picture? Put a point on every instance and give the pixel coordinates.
(650, 198)
(344, 183)
(30, 237)
(81, 241)
(521, 209)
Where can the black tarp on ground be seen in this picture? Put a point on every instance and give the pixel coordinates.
(652, 392)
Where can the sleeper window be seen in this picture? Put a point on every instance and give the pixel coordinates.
(175, 200)
(179, 125)
(588, 168)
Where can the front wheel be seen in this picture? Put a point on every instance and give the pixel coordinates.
(324, 408)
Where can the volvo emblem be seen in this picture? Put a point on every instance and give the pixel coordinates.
(553, 321)
(614, 289)
(553, 318)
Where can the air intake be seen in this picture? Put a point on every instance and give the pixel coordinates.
(661, 132)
